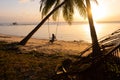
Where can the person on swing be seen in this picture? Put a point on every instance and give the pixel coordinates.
(53, 38)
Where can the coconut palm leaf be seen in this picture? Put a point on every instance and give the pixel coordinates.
(81, 7)
(46, 6)
(68, 11)
(56, 13)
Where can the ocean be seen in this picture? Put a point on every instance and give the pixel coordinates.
(63, 31)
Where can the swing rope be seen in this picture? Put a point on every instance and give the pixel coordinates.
(48, 28)
(56, 27)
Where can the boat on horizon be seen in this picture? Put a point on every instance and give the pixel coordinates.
(14, 23)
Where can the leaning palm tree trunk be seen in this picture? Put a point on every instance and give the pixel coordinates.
(95, 44)
(24, 41)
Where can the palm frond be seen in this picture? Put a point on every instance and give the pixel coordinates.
(48, 4)
(79, 4)
(68, 11)
(41, 4)
(56, 13)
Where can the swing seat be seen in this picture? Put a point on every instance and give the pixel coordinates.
(51, 41)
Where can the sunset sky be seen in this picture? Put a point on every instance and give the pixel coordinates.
(27, 11)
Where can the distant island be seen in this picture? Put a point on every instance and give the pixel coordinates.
(14, 23)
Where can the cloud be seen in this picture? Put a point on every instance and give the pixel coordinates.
(23, 1)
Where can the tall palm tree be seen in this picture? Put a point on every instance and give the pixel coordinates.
(49, 7)
(96, 48)
(52, 7)
(25, 40)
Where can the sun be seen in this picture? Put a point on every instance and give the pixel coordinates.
(99, 12)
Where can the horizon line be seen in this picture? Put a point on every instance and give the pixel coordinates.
(33, 23)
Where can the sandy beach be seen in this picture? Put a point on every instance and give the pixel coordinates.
(37, 59)
(43, 45)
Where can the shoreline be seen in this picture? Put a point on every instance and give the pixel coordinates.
(43, 46)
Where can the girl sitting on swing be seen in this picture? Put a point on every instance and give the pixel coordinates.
(53, 38)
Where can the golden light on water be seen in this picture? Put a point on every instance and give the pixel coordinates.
(86, 28)
(98, 28)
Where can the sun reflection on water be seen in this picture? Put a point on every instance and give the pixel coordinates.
(64, 32)
(98, 29)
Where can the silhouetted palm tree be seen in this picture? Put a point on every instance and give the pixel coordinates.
(96, 48)
(24, 41)
(52, 7)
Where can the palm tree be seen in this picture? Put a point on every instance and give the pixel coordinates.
(52, 7)
(25, 40)
(96, 48)
(49, 7)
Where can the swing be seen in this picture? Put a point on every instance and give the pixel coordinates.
(53, 38)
